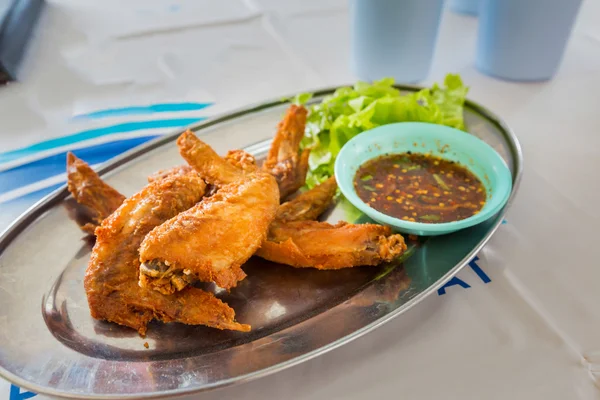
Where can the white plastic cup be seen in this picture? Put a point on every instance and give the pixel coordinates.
(524, 40)
(394, 38)
(467, 7)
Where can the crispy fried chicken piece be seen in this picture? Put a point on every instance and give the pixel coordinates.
(283, 160)
(321, 245)
(90, 191)
(308, 205)
(210, 241)
(164, 173)
(293, 237)
(111, 279)
(241, 160)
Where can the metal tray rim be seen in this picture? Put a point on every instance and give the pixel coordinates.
(37, 209)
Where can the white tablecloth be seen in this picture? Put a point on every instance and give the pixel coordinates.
(527, 328)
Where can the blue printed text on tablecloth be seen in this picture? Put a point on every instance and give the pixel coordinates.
(456, 281)
(17, 394)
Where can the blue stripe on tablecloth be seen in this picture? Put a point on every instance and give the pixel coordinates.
(32, 197)
(151, 109)
(50, 166)
(94, 133)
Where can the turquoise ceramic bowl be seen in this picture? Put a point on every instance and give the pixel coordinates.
(442, 141)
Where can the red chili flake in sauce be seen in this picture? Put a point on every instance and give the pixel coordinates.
(436, 189)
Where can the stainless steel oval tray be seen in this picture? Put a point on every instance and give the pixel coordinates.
(50, 344)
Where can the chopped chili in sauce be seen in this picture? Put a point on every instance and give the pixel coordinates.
(420, 188)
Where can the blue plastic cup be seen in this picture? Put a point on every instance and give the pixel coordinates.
(394, 38)
(524, 40)
(468, 7)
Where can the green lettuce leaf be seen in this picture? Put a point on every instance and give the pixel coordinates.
(351, 110)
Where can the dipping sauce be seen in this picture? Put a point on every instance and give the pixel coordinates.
(420, 188)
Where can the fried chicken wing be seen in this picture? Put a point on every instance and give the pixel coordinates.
(294, 237)
(210, 241)
(212, 167)
(324, 246)
(111, 279)
(283, 160)
(241, 159)
(90, 191)
(308, 205)
(165, 173)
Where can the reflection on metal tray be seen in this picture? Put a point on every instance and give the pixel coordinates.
(51, 345)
